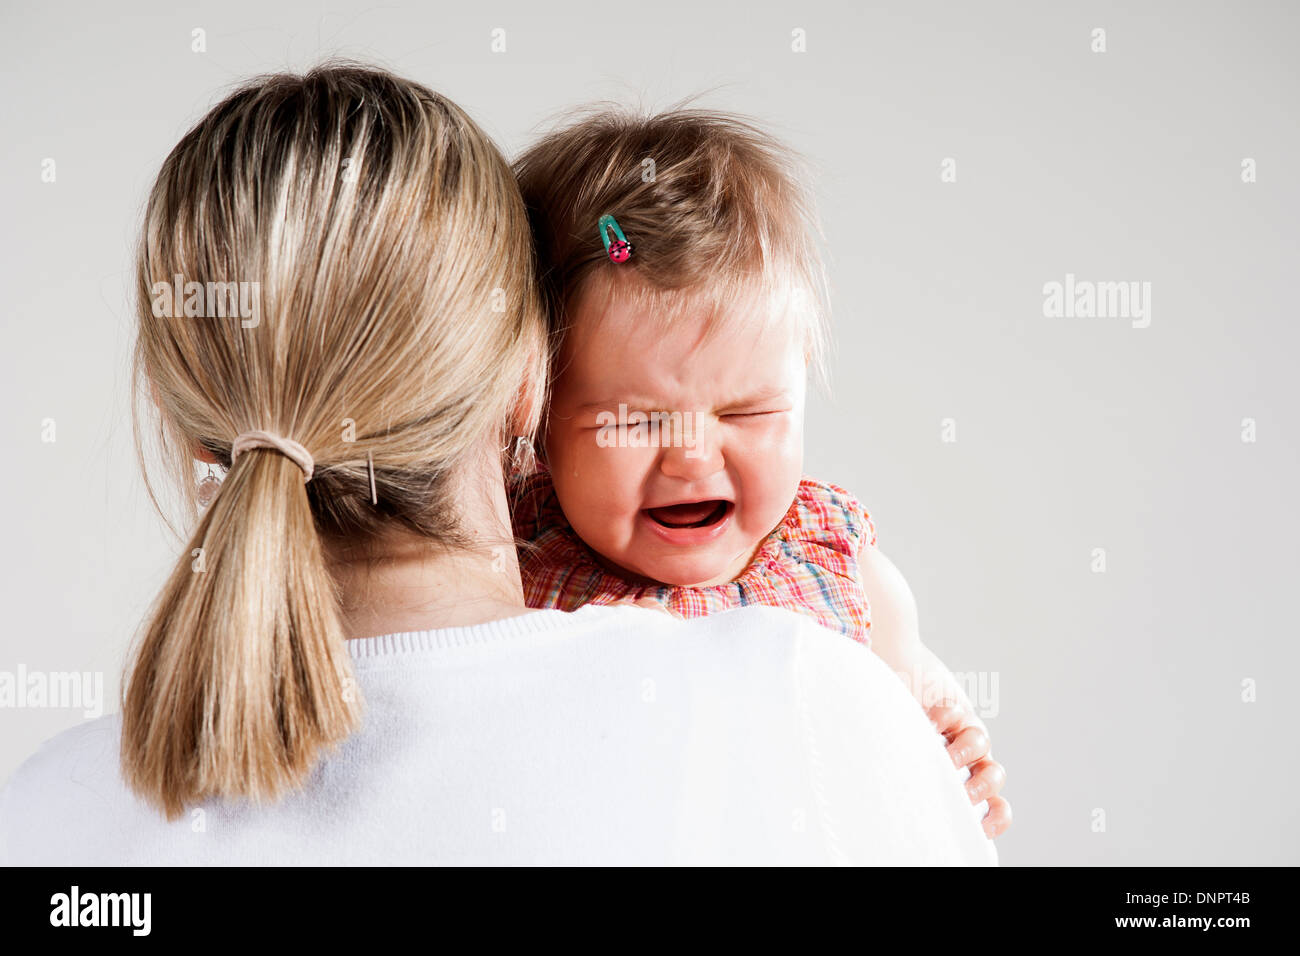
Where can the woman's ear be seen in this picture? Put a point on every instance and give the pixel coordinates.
(524, 420)
(200, 453)
(528, 402)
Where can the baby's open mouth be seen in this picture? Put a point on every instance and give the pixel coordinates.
(693, 514)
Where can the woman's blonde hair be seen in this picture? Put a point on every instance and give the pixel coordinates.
(386, 253)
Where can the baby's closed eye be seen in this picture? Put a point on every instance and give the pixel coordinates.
(755, 414)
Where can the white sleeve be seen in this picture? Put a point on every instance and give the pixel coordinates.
(886, 789)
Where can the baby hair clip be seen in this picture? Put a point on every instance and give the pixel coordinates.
(618, 250)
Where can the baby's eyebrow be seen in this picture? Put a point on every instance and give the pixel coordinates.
(633, 404)
(755, 399)
(758, 397)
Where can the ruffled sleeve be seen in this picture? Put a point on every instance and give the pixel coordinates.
(831, 519)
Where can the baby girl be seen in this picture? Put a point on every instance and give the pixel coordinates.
(687, 301)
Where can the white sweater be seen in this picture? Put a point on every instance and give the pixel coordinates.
(606, 736)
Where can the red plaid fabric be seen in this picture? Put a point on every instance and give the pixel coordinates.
(808, 564)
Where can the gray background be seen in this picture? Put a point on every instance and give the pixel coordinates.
(1118, 690)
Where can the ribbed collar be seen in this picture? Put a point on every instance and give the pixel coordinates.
(522, 625)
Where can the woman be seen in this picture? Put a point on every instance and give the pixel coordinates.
(341, 668)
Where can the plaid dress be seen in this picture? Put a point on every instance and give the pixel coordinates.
(808, 563)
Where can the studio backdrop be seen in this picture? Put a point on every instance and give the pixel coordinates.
(1063, 254)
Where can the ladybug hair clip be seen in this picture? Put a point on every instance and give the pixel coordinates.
(618, 249)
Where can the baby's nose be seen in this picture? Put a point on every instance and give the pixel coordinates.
(695, 452)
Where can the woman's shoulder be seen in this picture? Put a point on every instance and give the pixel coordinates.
(84, 752)
(54, 807)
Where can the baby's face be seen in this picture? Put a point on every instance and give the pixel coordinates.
(687, 503)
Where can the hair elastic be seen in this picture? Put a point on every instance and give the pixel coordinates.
(286, 446)
(618, 250)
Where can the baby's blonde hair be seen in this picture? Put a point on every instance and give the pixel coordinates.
(398, 322)
(717, 210)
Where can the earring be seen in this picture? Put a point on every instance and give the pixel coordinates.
(523, 459)
(208, 488)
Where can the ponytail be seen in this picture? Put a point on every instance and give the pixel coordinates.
(242, 679)
(351, 205)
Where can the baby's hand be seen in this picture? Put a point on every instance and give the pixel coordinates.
(968, 746)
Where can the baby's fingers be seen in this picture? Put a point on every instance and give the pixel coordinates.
(987, 778)
(998, 818)
(968, 746)
(950, 717)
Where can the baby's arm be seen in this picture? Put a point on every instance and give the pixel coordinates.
(896, 639)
